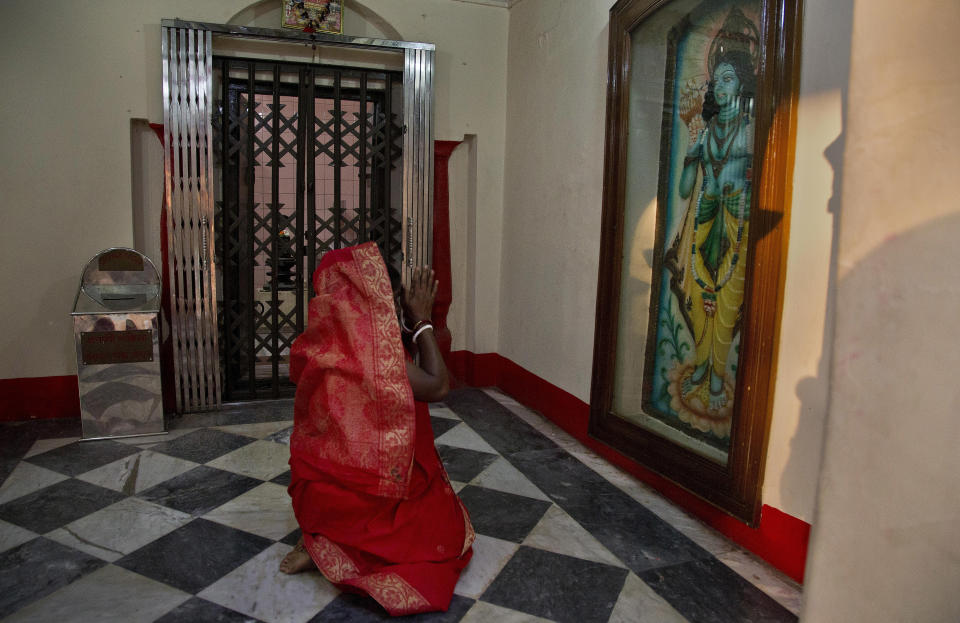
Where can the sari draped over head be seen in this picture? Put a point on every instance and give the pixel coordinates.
(374, 503)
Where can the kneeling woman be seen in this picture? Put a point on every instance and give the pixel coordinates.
(374, 504)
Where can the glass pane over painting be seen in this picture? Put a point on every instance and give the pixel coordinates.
(693, 76)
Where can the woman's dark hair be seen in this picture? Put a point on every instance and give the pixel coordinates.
(742, 64)
(395, 281)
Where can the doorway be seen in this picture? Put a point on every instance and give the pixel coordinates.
(307, 158)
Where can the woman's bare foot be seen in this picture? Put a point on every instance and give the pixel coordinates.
(297, 560)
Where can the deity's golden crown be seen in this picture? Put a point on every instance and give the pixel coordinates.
(738, 33)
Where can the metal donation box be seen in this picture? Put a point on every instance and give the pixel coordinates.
(116, 318)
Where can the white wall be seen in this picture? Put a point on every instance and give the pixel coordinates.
(556, 98)
(802, 384)
(462, 317)
(73, 79)
(886, 536)
(75, 75)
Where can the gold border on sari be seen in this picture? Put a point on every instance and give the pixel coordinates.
(394, 396)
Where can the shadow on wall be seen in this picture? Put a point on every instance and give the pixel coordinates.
(888, 502)
(833, 65)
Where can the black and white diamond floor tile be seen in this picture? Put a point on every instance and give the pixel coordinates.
(191, 527)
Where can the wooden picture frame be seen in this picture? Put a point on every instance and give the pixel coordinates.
(700, 132)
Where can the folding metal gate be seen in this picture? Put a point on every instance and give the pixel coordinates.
(189, 279)
(309, 160)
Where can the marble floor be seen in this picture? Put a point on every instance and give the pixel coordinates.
(191, 525)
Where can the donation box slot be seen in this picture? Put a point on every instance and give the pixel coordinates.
(116, 319)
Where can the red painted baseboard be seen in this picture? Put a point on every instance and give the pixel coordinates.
(780, 539)
(39, 398)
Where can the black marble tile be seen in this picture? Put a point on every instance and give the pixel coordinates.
(7, 465)
(631, 532)
(37, 568)
(57, 505)
(502, 515)
(292, 538)
(196, 555)
(634, 534)
(54, 428)
(200, 490)
(441, 425)
(197, 610)
(16, 439)
(350, 608)
(707, 591)
(203, 445)
(495, 423)
(464, 464)
(556, 587)
(76, 458)
(248, 413)
(283, 479)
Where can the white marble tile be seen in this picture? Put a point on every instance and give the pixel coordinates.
(489, 557)
(120, 528)
(444, 412)
(258, 430)
(483, 612)
(260, 459)
(45, 445)
(258, 589)
(27, 478)
(11, 536)
(780, 587)
(457, 485)
(283, 437)
(502, 398)
(108, 594)
(462, 436)
(558, 532)
(137, 472)
(639, 602)
(502, 476)
(264, 510)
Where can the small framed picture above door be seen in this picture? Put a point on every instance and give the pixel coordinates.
(315, 16)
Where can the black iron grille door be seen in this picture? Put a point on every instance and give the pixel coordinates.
(308, 160)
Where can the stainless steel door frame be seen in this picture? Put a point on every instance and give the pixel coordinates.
(188, 179)
(186, 49)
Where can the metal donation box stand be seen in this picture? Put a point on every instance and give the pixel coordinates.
(116, 318)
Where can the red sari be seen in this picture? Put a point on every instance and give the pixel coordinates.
(373, 501)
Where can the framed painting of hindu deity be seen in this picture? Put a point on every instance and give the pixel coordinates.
(698, 155)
